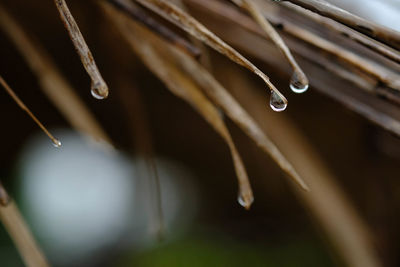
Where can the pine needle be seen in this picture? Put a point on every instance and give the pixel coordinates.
(179, 84)
(99, 88)
(21, 104)
(183, 20)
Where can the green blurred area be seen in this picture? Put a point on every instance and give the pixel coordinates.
(222, 251)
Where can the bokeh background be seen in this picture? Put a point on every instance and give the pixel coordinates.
(89, 205)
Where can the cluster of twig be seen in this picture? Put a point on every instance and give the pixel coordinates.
(173, 58)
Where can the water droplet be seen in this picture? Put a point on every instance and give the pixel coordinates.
(99, 91)
(277, 102)
(56, 143)
(245, 200)
(298, 85)
(96, 94)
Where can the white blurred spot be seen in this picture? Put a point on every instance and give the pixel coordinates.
(82, 198)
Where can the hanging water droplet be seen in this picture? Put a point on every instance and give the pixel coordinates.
(245, 200)
(277, 102)
(56, 143)
(99, 91)
(298, 83)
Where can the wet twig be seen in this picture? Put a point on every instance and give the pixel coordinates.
(99, 88)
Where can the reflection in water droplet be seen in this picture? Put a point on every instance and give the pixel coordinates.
(99, 91)
(245, 201)
(276, 102)
(96, 94)
(56, 143)
(297, 85)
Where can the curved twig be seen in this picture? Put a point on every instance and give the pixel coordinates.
(183, 20)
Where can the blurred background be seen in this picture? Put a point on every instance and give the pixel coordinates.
(91, 205)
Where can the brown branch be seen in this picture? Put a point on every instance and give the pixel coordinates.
(299, 82)
(21, 104)
(52, 82)
(380, 33)
(178, 83)
(370, 43)
(183, 20)
(99, 88)
(139, 14)
(224, 100)
(17, 228)
(383, 74)
(326, 202)
(377, 111)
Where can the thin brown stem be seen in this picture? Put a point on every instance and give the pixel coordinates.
(380, 33)
(53, 83)
(327, 203)
(99, 88)
(183, 20)
(17, 228)
(299, 82)
(368, 42)
(383, 74)
(218, 94)
(21, 104)
(182, 86)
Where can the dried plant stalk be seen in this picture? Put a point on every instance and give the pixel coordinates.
(383, 34)
(219, 95)
(376, 110)
(183, 20)
(99, 88)
(328, 205)
(383, 74)
(370, 43)
(140, 15)
(299, 82)
(184, 88)
(15, 225)
(52, 82)
(21, 104)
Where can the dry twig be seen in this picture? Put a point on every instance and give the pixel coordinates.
(17, 228)
(370, 43)
(53, 84)
(299, 82)
(380, 33)
(184, 88)
(383, 74)
(219, 95)
(99, 88)
(195, 28)
(21, 104)
(326, 202)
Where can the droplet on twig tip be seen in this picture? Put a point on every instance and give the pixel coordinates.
(298, 83)
(99, 91)
(245, 200)
(277, 102)
(56, 142)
